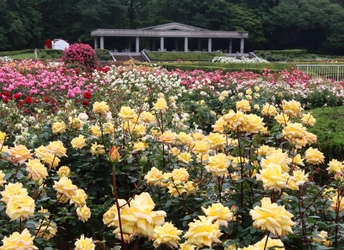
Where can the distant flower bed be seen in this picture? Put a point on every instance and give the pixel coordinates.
(223, 59)
(141, 158)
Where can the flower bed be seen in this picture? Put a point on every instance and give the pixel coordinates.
(143, 158)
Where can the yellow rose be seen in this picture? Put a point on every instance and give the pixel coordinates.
(2, 176)
(2, 137)
(186, 247)
(168, 137)
(59, 127)
(95, 130)
(20, 206)
(153, 176)
(84, 243)
(185, 138)
(282, 119)
(314, 156)
(220, 125)
(84, 213)
(298, 178)
(219, 213)
(277, 157)
(272, 217)
(218, 164)
(40, 152)
(101, 107)
(12, 189)
(79, 198)
(75, 123)
(51, 160)
(65, 186)
(294, 131)
(57, 148)
(269, 110)
(273, 177)
(139, 130)
(19, 154)
(201, 147)
(63, 171)
(166, 234)
(78, 142)
(147, 117)
(46, 229)
(198, 136)
(254, 125)
(97, 149)
(298, 160)
(108, 128)
(320, 237)
(203, 232)
(216, 141)
(126, 113)
(177, 188)
(160, 104)
(17, 240)
(243, 105)
(335, 166)
(184, 157)
(180, 174)
(308, 119)
(139, 146)
(36, 170)
(292, 108)
(269, 244)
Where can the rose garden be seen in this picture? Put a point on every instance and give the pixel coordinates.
(138, 157)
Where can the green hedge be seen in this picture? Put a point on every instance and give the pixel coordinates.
(185, 56)
(330, 131)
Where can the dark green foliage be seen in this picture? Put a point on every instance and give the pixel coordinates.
(175, 56)
(330, 131)
(103, 55)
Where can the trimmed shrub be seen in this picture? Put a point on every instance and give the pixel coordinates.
(80, 55)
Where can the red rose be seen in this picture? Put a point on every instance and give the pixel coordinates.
(5, 99)
(87, 95)
(85, 103)
(7, 94)
(46, 99)
(28, 100)
(16, 96)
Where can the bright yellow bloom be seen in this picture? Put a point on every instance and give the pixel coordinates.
(277, 157)
(2, 137)
(84, 213)
(160, 104)
(101, 107)
(51, 160)
(308, 119)
(314, 156)
(282, 119)
(218, 164)
(270, 243)
(198, 136)
(139, 130)
(184, 157)
(219, 213)
(253, 125)
(20, 241)
(79, 198)
(180, 174)
(203, 232)
(126, 113)
(59, 127)
(140, 146)
(147, 117)
(298, 160)
(36, 170)
(19, 154)
(40, 152)
(97, 149)
(269, 110)
(335, 166)
(186, 247)
(297, 179)
(75, 123)
(292, 108)
(265, 150)
(273, 177)
(20, 206)
(108, 128)
(168, 137)
(84, 244)
(243, 105)
(153, 176)
(95, 130)
(185, 138)
(57, 148)
(320, 237)
(12, 189)
(294, 131)
(201, 147)
(46, 229)
(272, 217)
(166, 234)
(63, 171)
(2, 176)
(216, 141)
(65, 186)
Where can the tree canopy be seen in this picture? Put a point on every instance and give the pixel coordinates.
(315, 25)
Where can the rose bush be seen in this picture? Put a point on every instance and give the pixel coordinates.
(159, 159)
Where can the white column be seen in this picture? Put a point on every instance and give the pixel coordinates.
(96, 43)
(101, 42)
(137, 44)
(186, 44)
(162, 44)
(209, 45)
(230, 46)
(242, 46)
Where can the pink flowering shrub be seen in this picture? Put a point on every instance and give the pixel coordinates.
(81, 55)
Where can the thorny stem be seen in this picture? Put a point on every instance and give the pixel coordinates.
(266, 241)
(303, 225)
